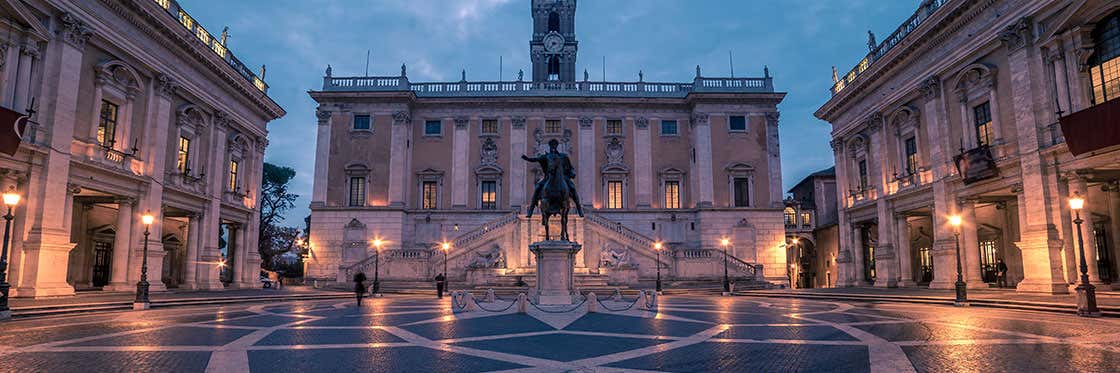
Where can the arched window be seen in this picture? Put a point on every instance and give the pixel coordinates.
(553, 22)
(791, 216)
(554, 68)
(1104, 70)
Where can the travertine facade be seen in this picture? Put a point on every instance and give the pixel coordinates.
(957, 113)
(137, 108)
(420, 164)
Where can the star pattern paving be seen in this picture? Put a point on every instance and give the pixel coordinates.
(684, 333)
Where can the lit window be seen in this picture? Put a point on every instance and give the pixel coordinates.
(911, 145)
(233, 176)
(357, 191)
(489, 191)
(107, 124)
(983, 115)
(433, 128)
(668, 127)
(431, 192)
(614, 127)
(552, 126)
(863, 174)
(742, 192)
(186, 19)
(183, 158)
(490, 126)
(737, 123)
(672, 194)
(790, 215)
(806, 218)
(1104, 71)
(361, 122)
(614, 194)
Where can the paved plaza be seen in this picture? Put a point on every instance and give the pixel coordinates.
(687, 333)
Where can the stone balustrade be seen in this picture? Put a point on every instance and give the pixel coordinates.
(524, 88)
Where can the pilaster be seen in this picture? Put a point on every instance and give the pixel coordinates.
(518, 168)
(460, 147)
(774, 159)
(702, 146)
(643, 165)
(323, 155)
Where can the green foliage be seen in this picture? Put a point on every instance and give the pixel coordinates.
(275, 200)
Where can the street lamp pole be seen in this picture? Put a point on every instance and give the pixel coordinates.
(726, 278)
(962, 292)
(142, 302)
(377, 268)
(446, 276)
(10, 200)
(657, 248)
(1086, 292)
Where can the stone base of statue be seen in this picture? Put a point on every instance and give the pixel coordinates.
(483, 276)
(620, 275)
(555, 271)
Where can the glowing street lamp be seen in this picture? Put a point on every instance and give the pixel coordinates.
(446, 251)
(1086, 292)
(11, 199)
(142, 302)
(376, 289)
(726, 279)
(657, 247)
(962, 292)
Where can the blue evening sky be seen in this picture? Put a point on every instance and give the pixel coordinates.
(800, 40)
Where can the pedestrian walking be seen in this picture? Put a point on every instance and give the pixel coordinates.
(1001, 277)
(441, 283)
(360, 286)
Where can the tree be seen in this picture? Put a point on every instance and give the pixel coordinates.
(275, 200)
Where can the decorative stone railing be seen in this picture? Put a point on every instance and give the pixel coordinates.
(740, 266)
(525, 88)
(464, 240)
(618, 228)
(925, 10)
(215, 44)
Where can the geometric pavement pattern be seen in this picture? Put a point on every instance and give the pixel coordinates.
(685, 334)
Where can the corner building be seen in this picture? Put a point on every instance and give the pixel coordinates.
(991, 110)
(419, 164)
(136, 108)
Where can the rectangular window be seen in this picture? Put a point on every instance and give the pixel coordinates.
(672, 194)
(431, 193)
(361, 122)
(233, 176)
(107, 124)
(742, 192)
(668, 127)
(490, 126)
(911, 145)
(183, 157)
(614, 127)
(806, 218)
(489, 190)
(552, 126)
(863, 174)
(737, 123)
(1105, 80)
(357, 191)
(983, 115)
(614, 194)
(791, 216)
(433, 128)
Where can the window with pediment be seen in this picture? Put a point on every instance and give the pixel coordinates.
(116, 86)
(740, 184)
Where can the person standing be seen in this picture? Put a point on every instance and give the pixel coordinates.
(441, 283)
(360, 286)
(1001, 269)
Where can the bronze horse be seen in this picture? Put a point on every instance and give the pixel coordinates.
(554, 191)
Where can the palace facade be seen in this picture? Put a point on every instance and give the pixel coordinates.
(416, 165)
(133, 108)
(997, 111)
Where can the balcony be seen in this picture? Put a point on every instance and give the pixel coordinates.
(187, 181)
(910, 180)
(1092, 129)
(861, 194)
(976, 164)
(559, 89)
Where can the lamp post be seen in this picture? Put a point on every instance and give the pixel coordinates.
(962, 292)
(446, 277)
(376, 289)
(657, 248)
(11, 199)
(142, 302)
(1086, 292)
(726, 280)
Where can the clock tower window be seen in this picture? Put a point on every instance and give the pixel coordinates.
(553, 22)
(554, 68)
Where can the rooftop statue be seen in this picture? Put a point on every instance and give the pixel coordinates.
(555, 189)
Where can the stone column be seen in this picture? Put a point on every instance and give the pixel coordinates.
(191, 262)
(773, 160)
(322, 159)
(905, 255)
(1079, 187)
(209, 275)
(859, 263)
(29, 52)
(970, 247)
(1113, 192)
(843, 257)
(643, 164)
(10, 58)
(460, 164)
(518, 167)
(121, 245)
(702, 146)
(1039, 239)
(886, 260)
(239, 255)
(47, 248)
(585, 173)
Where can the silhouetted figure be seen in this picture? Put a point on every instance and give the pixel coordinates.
(1001, 270)
(360, 286)
(441, 284)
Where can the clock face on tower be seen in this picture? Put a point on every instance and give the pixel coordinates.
(553, 42)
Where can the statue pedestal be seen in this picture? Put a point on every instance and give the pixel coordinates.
(483, 276)
(621, 276)
(555, 264)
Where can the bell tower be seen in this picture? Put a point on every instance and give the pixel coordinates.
(553, 46)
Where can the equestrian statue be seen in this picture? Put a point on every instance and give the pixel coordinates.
(555, 189)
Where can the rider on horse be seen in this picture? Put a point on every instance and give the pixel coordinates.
(560, 160)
